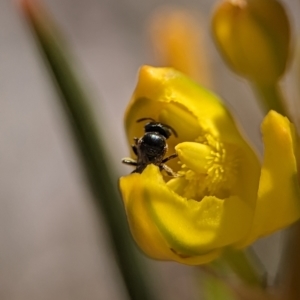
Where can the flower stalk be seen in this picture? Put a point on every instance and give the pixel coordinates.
(271, 97)
(243, 264)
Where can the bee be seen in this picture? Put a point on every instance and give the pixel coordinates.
(152, 147)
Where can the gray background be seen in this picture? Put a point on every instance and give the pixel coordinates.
(52, 244)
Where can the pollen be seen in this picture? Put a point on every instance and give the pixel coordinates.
(209, 168)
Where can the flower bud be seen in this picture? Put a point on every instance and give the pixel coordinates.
(177, 37)
(254, 37)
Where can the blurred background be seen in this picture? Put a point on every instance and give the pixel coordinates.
(52, 243)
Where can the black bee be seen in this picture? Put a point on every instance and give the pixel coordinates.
(152, 147)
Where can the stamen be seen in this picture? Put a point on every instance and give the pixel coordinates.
(210, 172)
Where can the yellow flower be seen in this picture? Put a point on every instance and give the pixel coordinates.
(253, 37)
(223, 198)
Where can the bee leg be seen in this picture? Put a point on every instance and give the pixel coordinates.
(129, 161)
(169, 171)
(134, 146)
(169, 157)
(134, 149)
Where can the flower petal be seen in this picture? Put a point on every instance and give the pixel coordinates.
(159, 87)
(167, 226)
(169, 96)
(278, 202)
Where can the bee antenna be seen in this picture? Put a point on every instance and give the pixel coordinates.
(172, 129)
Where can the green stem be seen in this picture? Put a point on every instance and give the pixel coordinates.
(271, 97)
(245, 266)
(90, 146)
(289, 269)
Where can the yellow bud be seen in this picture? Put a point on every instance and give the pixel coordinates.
(254, 37)
(177, 37)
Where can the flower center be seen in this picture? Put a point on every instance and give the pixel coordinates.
(208, 168)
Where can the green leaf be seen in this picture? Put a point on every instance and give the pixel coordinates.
(90, 146)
